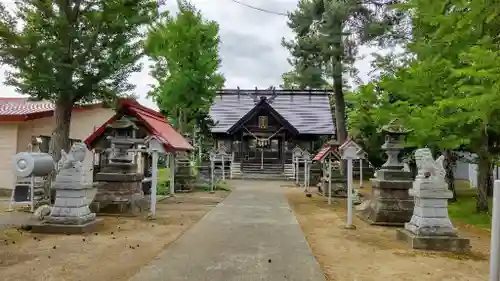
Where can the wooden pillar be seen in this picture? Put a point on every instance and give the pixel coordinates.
(241, 147)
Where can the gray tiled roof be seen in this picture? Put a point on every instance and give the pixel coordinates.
(308, 112)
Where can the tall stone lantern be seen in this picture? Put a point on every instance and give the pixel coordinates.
(395, 138)
(390, 203)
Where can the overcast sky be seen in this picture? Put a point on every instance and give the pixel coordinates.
(251, 51)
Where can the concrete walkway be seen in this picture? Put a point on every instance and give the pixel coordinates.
(252, 235)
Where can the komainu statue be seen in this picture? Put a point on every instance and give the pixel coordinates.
(428, 168)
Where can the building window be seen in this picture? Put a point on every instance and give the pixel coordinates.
(263, 122)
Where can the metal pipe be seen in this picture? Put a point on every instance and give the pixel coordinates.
(360, 173)
(349, 193)
(154, 182)
(495, 235)
(329, 181)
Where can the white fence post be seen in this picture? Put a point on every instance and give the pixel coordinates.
(495, 235)
(154, 182)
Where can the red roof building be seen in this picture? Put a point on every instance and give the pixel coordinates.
(22, 122)
(154, 122)
(22, 109)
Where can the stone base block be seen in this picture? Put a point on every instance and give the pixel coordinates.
(51, 228)
(339, 189)
(118, 177)
(390, 203)
(390, 212)
(434, 243)
(122, 208)
(369, 220)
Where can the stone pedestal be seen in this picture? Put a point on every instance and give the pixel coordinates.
(70, 213)
(390, 203)
(434, 243)
(430, 227)
(120, 197)
(119, 190)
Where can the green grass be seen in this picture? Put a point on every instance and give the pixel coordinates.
(464, 210)
(163, 181)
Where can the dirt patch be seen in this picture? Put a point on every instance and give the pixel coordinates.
(116, 251)
(372, 253)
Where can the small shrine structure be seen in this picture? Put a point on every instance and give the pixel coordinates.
(122, 159)
(329, 158)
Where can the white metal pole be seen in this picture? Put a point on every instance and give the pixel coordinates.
(297, 170)
(32, 193)
(231, 166)
(349, 192)
(223, 168)
(172, 174)
(495, 235)
(308, 175)
(212, 188)
(329, 181)
(305, 174)
(360, 173)
(154, 181)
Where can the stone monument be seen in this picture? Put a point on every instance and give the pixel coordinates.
(119, 183)
(70, 213)
(390, 203)
(430, 227)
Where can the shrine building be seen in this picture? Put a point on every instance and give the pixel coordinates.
(260, 128)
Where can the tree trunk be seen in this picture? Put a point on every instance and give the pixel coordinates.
(484, 177)
(339, 100)
(60, 134)
(340, 118)
(180, 121)
(449, 164)
(492, 179)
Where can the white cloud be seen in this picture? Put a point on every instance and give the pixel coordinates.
(251, 50)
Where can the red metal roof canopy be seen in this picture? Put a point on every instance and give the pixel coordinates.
(329, 147)
(322, 153)
(155, 123)
(22, 109)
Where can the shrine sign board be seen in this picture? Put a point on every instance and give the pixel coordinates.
(350, 150)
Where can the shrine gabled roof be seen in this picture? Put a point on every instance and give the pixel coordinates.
(322, 153)
(325, 151)
(156, 124)
(307, 111)
(263, 104)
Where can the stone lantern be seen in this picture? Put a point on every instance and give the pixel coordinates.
(390, 203)
(395, 138)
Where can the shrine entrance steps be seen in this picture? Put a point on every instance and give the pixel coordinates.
(266, 171)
